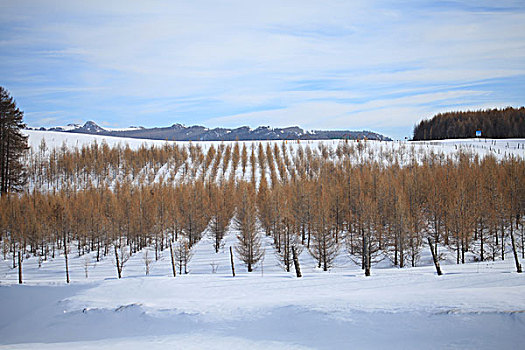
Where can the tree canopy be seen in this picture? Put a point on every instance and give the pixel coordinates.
(13, 144)
(493, 123)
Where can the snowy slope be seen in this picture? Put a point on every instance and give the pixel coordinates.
(297, 153)
(472, 306)
(477, 305)
(497, 147)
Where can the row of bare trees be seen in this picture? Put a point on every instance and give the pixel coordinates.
(121, 221)
(98, 164)
(319, 200)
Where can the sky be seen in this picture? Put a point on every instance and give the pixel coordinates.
(373, 65)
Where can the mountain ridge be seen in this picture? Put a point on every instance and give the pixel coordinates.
(180, 132)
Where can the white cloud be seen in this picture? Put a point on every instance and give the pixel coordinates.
(318, 64)
(401, 111)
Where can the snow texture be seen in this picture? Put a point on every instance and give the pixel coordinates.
(478, 305)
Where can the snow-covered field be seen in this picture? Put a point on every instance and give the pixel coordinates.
(498, 147)
(478, 305)
(472, 306)
(383, 152)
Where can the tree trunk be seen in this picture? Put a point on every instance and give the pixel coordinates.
(19, 267)
(14, 256)
(522, 243)
(502, 241)
(401, 251)
(363, 250)
(325, 262)
(296, 263)
(65, 256)
(514, 250)
(118, 262)
(172, 261)
(98, 250)
(233, 266)
(395, 251)
(309, 231)
(366, 256)
(457, 248)
(482, 253)
(156, 248)
(434, 256)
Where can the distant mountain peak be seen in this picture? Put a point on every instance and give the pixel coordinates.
(91, 127)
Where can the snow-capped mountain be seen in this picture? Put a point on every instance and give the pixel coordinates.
(179, 132)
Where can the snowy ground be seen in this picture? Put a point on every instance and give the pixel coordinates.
(472, 306)
(476, 305)
(497, 147)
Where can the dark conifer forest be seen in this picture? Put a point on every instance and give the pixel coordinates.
(493, 123)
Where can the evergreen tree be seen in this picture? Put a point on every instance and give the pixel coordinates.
(493, 123)
(13, 144)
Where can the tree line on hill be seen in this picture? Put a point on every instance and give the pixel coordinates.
(115, 201)
(492, 123)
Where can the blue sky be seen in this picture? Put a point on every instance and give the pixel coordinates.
(375, 65)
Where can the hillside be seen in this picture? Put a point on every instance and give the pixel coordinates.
(95, 229)
(492, 123)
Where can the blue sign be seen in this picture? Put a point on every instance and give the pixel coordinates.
(478, 133)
